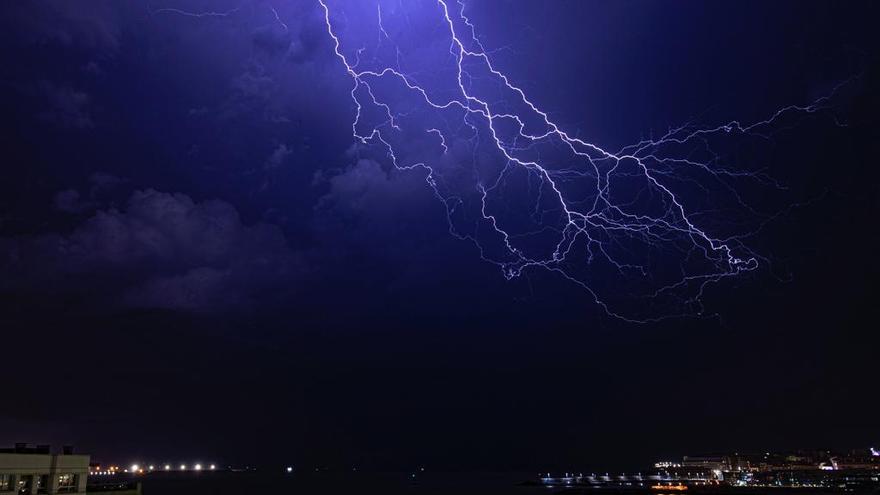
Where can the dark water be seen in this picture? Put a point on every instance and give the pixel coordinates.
(423, 483)
(267, 483)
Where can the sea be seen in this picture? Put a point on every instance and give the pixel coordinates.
(274, 483)
(418, 483)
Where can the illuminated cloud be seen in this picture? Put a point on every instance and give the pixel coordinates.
(644, 230)
(162, 251)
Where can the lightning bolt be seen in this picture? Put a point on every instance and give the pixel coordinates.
(584, 205)
(206, 14)
(621, 224)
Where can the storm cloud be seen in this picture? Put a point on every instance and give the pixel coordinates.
(162, 250)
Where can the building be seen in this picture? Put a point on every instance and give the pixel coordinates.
(36, 470)
(709, 463)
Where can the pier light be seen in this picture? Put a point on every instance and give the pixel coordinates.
(198, 467)
(289, 469)
(133, 468)
(167, 467)
(183, 467)
(213, 467)
(152, 467)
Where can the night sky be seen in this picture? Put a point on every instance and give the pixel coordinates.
(197, 259)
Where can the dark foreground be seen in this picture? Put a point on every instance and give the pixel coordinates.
(426, 483)
(268, 483)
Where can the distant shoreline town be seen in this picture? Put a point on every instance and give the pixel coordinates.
(853, 471)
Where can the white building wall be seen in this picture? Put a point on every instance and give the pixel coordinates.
(51, 465)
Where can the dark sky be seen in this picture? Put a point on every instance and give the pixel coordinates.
(196, 259)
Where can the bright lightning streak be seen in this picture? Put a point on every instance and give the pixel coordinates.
(170, 10)
(609, 221)
(590, 226)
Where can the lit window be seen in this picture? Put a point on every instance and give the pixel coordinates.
(67, 483)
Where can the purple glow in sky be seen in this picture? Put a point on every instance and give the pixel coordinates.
(656, 221)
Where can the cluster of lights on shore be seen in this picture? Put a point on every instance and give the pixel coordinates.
(138, 469)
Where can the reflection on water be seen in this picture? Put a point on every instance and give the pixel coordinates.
(422, 483)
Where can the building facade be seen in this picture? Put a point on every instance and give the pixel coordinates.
(35, 470)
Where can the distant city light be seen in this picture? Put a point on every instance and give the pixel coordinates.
(183, 467)
(289, 469)
(167, 467)
(198, 467)
(213, 467)
(875, 452)
(133, 468)
(152, 467)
